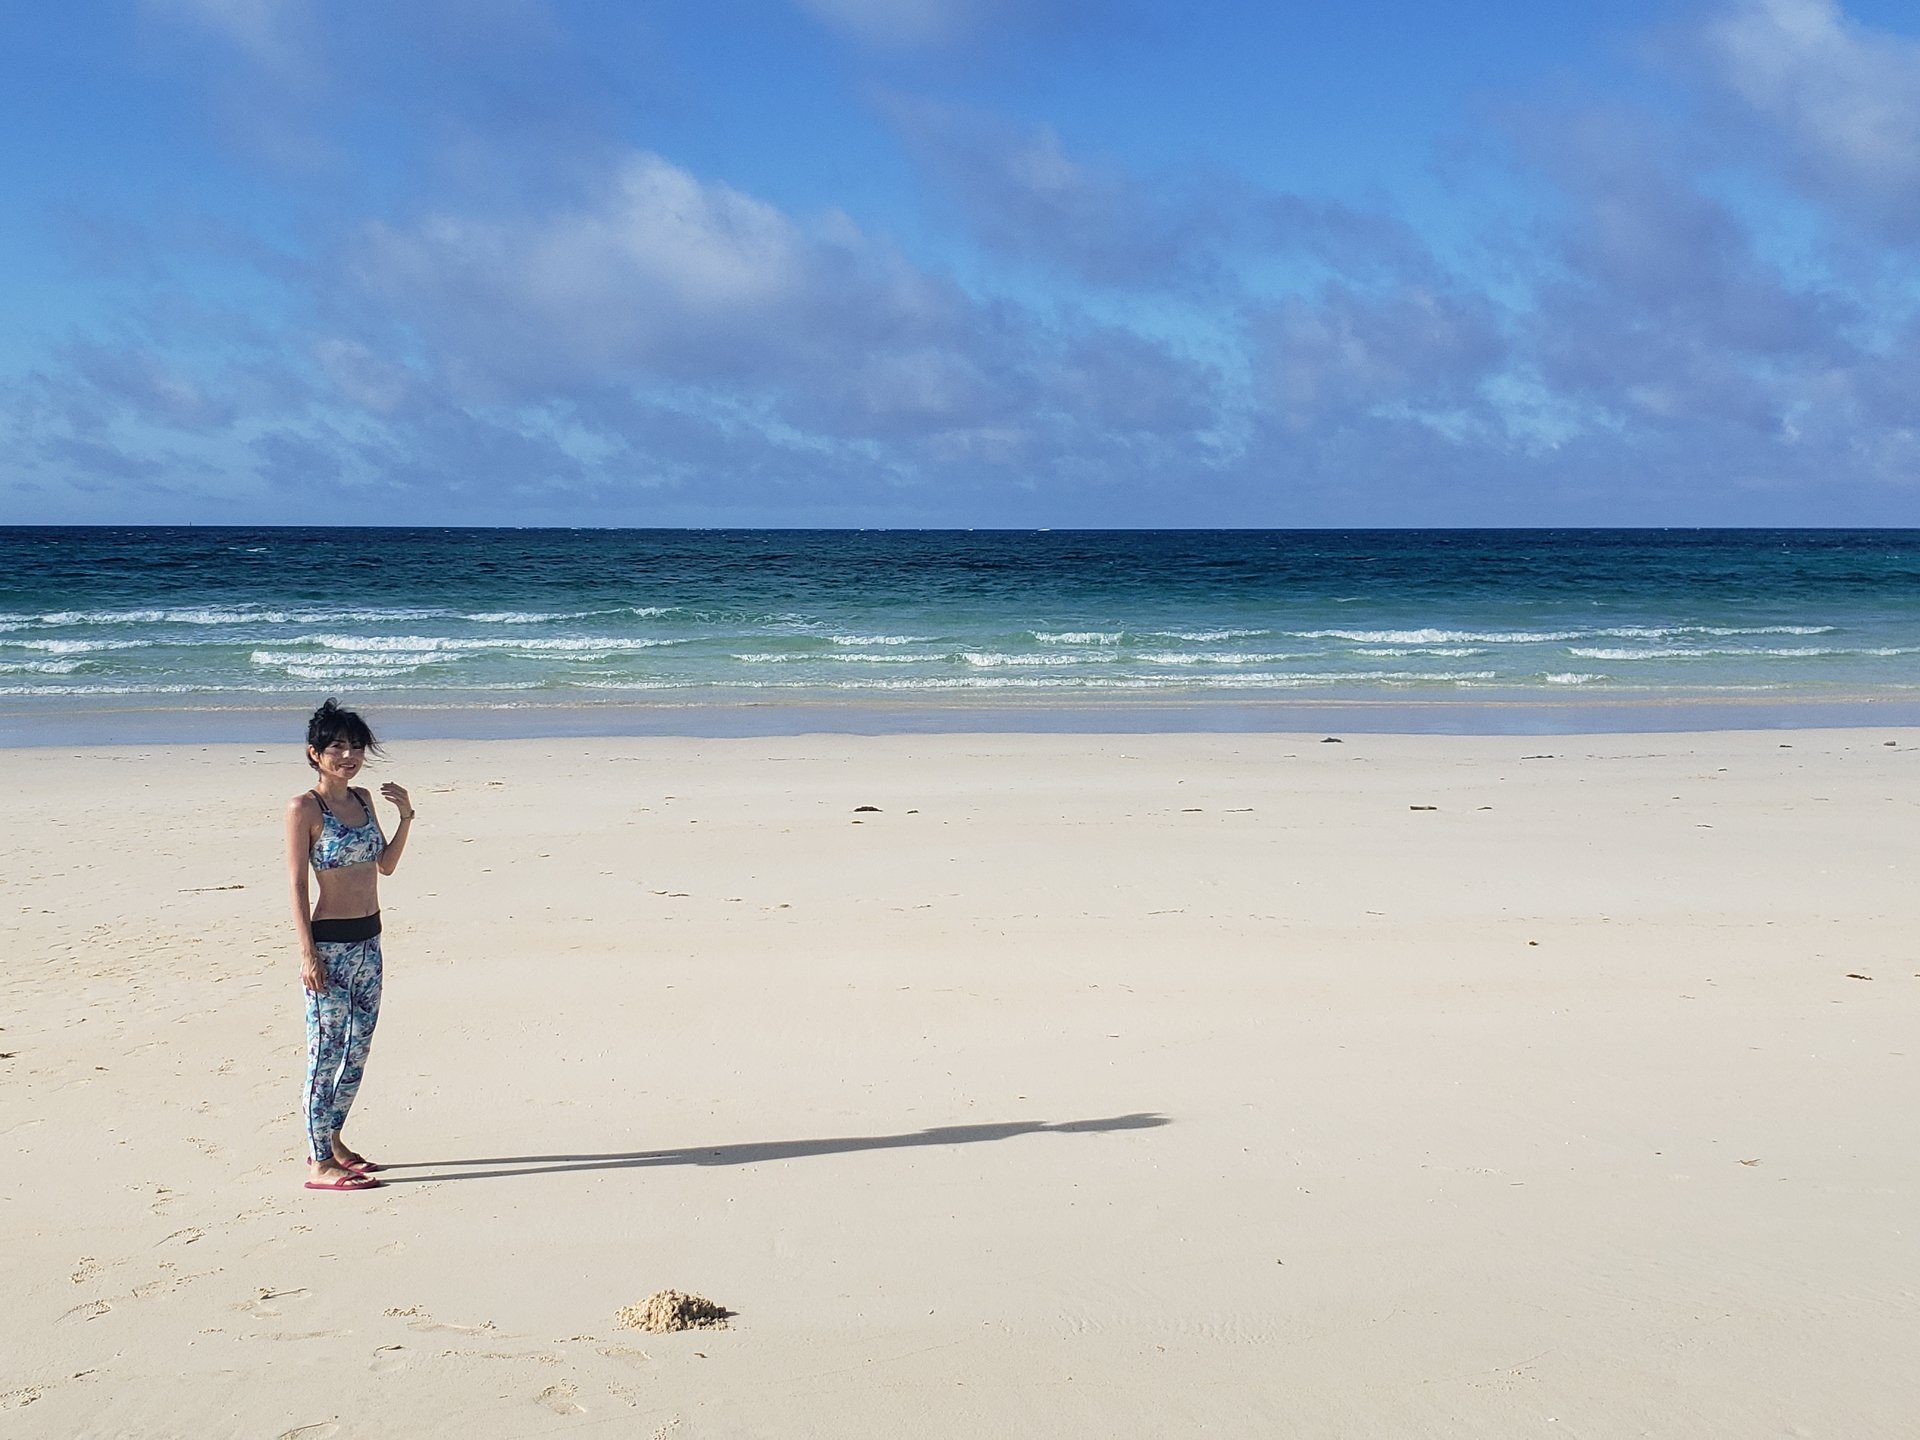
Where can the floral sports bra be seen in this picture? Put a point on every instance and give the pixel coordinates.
(340, 845)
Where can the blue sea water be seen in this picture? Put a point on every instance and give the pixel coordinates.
(545, 618)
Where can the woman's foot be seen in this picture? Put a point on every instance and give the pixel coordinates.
(330, 1175)
(351, 1160)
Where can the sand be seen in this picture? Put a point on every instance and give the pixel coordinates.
(665, 1311)
(1087, 1086)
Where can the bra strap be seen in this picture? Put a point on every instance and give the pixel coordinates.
(323, 803)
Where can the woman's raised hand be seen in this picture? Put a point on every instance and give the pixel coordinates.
(397, 795)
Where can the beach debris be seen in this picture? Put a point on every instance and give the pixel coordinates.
(1331, 740)
(1423, 807)
(666, 1310)
(1856, 975)
(866, 809)
(1539, 757)
(204, 889)
(1533, 942)
(1754, 1161)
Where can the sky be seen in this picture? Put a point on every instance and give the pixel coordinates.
(994, 263)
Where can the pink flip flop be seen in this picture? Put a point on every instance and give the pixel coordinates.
(345, 1182)
(361, 1167)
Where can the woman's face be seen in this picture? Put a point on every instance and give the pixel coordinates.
(339, 761)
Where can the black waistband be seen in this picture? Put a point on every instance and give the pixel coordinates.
(346, 932)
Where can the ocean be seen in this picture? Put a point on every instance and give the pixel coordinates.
(1750, 625)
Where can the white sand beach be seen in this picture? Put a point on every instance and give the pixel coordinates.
(1087, 1086)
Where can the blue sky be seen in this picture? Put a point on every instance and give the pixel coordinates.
(961, 262)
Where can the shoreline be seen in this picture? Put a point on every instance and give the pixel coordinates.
(239, 717)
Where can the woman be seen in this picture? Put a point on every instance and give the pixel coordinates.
(333, 829)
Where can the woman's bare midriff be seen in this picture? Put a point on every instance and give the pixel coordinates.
(347, 893)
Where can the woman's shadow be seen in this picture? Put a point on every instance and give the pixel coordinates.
(497, 1167)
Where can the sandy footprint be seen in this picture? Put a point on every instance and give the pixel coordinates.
(19, 1399)
(262, 1303)
(426, 1323)
(85, 1269)
(319, 1430)
(389, 1358)
(91, 1310)
(627, 1353)
(538, 1357)
(169, 1282)
(305, 1335)
(559, 1399)
(185, 1237)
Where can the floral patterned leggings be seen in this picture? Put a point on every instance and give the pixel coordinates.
(340, 1021)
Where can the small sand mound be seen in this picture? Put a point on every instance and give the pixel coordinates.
(673, 1310)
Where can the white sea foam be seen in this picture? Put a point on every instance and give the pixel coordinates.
(1661, 632)
(40, 667)
(1271, 681)
(369, 663)
(843, 657)
(122, 689)
(1444, 637)
(257, 688)
(1708, 652)
(1201, 637)
(238, 615)
(566, 643)
(548, 617)
(375, 644)
(876, 657)
(1400, 652)
(1589, 652)
(345, 671)
(1216, 657)
(995, 658)
(1571, 677)
(880, 639)
(76, 647)
(1078, 637)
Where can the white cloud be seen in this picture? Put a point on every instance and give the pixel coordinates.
(659, 277)
(642, 273)
(1345, 354)
(1845, 97)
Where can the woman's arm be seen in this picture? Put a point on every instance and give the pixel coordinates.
(313, 974)
(389, 859)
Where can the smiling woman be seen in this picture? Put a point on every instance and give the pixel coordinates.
(332, 828)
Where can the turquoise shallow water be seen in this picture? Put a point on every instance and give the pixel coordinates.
(544, 618)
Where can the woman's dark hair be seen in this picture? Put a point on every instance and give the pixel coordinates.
(331, 723)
